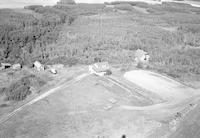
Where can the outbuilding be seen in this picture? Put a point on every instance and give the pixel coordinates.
(38, 66)
(5, 65)
(101, 69)
(53, 71)
(141, 57)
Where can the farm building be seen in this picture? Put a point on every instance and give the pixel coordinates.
(5, 65)
(38, 66)
(141, 56)
(100, 69)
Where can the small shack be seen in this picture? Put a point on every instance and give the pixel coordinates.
(16, 66)
(5, 65)
(38, 66)
(141, 57)
(53, 71)
(101, 69)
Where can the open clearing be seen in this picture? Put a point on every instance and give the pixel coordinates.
(91, 107)
(86, 109)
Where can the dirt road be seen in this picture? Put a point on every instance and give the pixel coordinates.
(44, 95)
(85, 109)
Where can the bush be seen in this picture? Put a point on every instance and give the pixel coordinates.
(71, 19)
(2, 90)
(108, 72)
(18, 91)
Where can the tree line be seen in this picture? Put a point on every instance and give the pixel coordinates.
(24, 37)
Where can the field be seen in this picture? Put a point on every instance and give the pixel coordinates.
(88, 106)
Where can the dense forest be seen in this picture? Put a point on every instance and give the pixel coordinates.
(25, 35)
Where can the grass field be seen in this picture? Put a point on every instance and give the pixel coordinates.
(85, 109)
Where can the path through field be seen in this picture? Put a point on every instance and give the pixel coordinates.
(42, 96)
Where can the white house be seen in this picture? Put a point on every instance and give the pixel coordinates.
(100, 69)
(38, 66)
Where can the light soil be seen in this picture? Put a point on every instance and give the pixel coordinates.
(163, 86)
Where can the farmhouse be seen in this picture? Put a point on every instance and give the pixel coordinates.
(16, 66)
(38, 66)
(100, 69)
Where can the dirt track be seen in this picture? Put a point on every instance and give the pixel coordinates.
(85, 109)
(42, 96)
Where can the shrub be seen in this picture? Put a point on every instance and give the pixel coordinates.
(3, 105)
(71, 19)
(108, 72)
(2, 90)
(18, 91)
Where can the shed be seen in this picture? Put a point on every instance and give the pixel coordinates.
(38, 66)
(101, 67)
(5, 65)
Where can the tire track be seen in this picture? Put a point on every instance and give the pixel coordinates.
(42, 96)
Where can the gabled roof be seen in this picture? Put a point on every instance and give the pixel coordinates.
(6, 64)
(101, 67)
(37, 64)
(140, 53)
